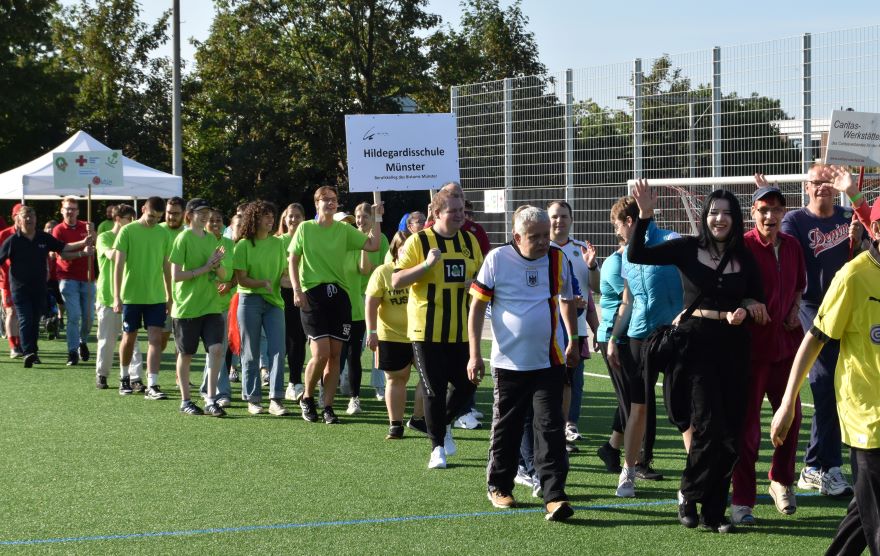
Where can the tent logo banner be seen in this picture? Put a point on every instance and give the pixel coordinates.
(78, 170)
(397, 152)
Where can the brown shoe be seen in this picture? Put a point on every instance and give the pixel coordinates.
(560, 510)
(784, 497)
(500, 499)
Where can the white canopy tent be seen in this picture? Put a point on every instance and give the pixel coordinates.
(35, 179)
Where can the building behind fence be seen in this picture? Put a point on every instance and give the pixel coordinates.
(581, 134)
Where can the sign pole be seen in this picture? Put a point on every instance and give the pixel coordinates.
(89, 221)
(852, 244)
(377, 200)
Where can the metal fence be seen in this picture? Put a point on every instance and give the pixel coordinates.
(579, 135)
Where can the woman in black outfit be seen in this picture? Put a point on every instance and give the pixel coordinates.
(715, 359)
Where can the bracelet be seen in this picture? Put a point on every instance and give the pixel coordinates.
(573, 337)
(372, 331)
(855, 198)
(426, 265)
(612, 338)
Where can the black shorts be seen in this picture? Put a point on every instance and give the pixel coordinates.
(152, 315)
(188, 332)
(394, 356)
(329, 314)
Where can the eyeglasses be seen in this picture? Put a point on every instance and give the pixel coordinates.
(817, 183)
(767, 211)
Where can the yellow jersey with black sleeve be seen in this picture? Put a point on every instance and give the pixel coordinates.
(437, 309)
(850, 312)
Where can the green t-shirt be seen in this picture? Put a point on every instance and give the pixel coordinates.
(105, 226)
(146, 250)
(352, 284)
(197, 296)
(319, 263)
(377, 258)
(103, 246)
(174, 232)
(226, 263)
(262, 260)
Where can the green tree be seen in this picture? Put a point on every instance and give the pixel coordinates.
(36, 91)
(122, 92)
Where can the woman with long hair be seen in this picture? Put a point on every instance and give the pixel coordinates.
(259, 264)
(295, 338)
(718, 271)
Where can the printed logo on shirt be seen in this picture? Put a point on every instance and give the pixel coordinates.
(532, 278)
(466, 252)
(875, 333)
(453, 270)
(820, 241)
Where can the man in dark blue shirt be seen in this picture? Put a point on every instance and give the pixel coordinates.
(27, 250)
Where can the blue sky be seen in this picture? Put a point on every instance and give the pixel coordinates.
(575, 34)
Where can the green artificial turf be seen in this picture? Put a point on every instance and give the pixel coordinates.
(132, 476)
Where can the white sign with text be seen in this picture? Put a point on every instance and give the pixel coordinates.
(79, 170)
(401, 152)
(494, 201)
(854, 139)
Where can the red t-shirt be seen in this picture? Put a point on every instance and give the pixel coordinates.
(74, 269)
(4, 268)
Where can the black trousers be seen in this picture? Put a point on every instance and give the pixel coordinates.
(860, 527)
(351, 354)
(516, 392)
(717, 362)
(630, 357)
(441, 364)
(295, 337)
(621, 389)
(30, 304)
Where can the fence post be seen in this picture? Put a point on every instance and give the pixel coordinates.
(716, 112)
(806, 89)
(569, 137)
(508, 155)
(638, 79)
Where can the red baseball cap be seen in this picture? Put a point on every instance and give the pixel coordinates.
(15, 208)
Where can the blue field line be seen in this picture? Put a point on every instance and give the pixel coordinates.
(316, 524)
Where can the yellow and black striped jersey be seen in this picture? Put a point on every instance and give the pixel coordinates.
(437, 309)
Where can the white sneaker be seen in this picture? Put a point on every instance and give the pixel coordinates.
(354, 406)
(810, 479)
(835, 484)
(290, 393)
(256, 408)
(467, 421)
(449, 443)
(741, 515)
(380, 394)
(537, 491)
(224, 402)
(437, 459)
(277, 408)
(477, 413)
(571, 433)
(626, 487)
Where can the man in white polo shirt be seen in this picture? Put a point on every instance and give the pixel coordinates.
(529, 285)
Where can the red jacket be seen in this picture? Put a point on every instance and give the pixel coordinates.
(782, 280)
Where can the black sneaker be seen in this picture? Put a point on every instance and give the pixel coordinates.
(101, 382)
(29, 360)
(72, 358)
(125, 386)
(645, 472)
(687, 514)
(417, 425)
(330, 416)
(214, 410)
(84, 352)
(155, 393)
(138, 387)
(723, 526)
(610, 457)
(395, 432)
(37, 359)
(189, 408)
(309, 411)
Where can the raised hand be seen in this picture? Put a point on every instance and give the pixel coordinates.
(841, 180)
(646, 198)
(760, 181)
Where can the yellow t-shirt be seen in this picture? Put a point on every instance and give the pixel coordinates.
(850, 312)
(392, 310)
(437, 309)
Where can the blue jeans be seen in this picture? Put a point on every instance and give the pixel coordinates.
(224, 389)
(255, 314)
(79, 298)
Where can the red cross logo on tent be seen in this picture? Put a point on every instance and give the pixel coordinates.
(81, 161)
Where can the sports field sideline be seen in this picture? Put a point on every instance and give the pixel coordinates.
(88, 471)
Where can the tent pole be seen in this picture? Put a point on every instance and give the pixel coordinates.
(89, 226)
